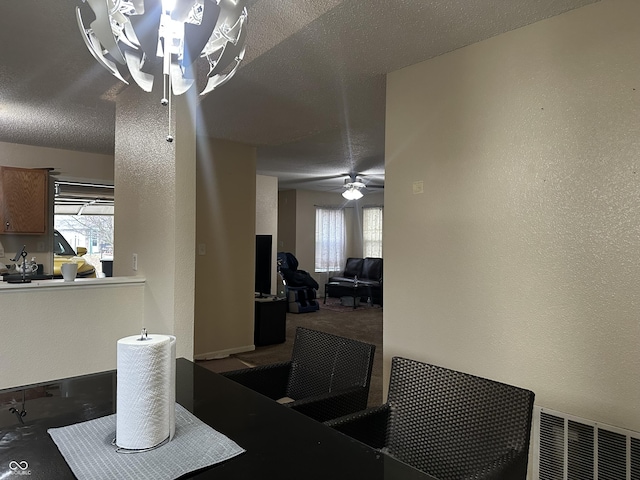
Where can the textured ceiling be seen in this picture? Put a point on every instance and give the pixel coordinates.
(310, 93)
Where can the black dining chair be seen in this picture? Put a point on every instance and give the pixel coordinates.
(328, 376)
(449, 424)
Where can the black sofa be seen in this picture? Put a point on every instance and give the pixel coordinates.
(368, 271)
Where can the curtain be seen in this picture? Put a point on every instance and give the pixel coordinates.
(330, 239)
(372, 231)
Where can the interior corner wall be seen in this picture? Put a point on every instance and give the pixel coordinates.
(155, 209)
(519, 262)
(267, 218)
(225, 230)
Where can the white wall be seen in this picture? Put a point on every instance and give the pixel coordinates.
(59, 331)
(521, 260)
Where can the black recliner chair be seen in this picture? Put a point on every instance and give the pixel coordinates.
(300, 287)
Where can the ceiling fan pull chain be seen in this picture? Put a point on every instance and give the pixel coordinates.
(166, 101)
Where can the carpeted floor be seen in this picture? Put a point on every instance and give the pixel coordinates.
(363, 323)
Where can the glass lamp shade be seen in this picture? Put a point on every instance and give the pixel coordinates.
(352, 193)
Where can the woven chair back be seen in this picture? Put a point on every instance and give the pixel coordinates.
(322, 362)
(451, 424)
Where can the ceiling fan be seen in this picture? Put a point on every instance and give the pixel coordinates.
(353, 186)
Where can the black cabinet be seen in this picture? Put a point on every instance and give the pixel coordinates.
(270, 321)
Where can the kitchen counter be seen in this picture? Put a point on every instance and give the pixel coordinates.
(53, 329)
(78, 283)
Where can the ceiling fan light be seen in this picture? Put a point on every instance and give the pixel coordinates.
(352, 193)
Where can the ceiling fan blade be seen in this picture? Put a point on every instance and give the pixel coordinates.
(317, 178)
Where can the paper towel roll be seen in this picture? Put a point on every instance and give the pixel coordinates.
(145, 402)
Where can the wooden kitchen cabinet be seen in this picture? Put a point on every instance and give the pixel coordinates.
(23, 200)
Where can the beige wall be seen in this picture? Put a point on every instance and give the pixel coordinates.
(287, 221)
(226, 225)
(520, 261)
(267, 218)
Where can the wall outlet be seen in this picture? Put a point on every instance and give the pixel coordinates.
(418, 187)
(40, 247)
(135, 262)
(1, 250)
(202, 249)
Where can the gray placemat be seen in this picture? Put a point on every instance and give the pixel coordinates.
(89, 453)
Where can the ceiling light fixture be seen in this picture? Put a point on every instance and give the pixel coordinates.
(133, 33)
(352, 188)
(352, 192)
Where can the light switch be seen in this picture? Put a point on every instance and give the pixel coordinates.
(202, 249)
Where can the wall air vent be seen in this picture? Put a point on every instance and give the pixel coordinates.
(572, 448)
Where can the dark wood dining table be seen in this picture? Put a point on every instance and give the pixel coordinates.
(280, 443)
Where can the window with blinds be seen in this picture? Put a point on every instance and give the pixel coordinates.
(372, 231)
(330, 239)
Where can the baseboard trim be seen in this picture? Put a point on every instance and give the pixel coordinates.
(223, 353)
